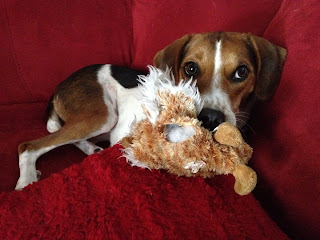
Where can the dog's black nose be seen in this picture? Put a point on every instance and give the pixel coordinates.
(211, 118)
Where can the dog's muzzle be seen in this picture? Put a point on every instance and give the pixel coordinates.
(211, 118)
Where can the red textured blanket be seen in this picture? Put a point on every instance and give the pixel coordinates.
(105, 198)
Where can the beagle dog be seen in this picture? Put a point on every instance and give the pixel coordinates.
(232, 70)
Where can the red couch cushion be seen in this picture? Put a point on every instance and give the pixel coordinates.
(286, 142)
(41, 43)
(46, 41)
(105, 198)
(158, 23)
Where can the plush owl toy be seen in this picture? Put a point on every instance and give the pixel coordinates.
(172, 138)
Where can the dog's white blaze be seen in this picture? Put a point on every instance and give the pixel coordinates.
(217, 99)
(217, 66)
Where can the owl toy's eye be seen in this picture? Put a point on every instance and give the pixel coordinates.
(240, 74)
(191, 69)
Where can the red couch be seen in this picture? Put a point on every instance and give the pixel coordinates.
(42, 42)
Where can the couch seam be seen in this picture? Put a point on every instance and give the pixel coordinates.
(22, 103)
(280, 7)
(133, 51)
(14, 52)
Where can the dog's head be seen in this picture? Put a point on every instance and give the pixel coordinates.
(232, 70)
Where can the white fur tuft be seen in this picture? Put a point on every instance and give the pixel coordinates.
(177, 134)
(159, 80)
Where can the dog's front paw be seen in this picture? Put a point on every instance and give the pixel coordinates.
(28, 178)
(98, 149)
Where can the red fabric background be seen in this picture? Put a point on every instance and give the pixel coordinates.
(42, 42)
(287, 146)
(49, 40)
(158, 23)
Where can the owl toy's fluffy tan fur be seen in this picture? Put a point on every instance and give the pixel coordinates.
(172, 138)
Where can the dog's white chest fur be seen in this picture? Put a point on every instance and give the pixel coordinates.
(129, 113)
(125, 102)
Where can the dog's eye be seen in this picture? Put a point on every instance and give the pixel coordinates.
(191, 69)
(240, 74)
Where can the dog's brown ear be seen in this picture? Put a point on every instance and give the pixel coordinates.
(171, 56)
(270, 59)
